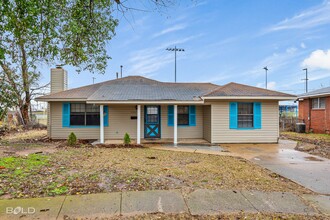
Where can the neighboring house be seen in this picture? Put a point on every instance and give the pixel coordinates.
(314, 110)
(148, 109)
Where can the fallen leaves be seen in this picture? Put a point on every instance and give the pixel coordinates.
(92, 170)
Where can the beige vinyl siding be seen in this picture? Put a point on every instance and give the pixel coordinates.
(183, 131)
(267, 134)
(120, 122)
(59, 132)
(49, 115)
(207, 122)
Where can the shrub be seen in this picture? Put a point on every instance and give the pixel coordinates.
(127, 139)
(72, 139)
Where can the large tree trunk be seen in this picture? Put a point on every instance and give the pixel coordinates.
(25, 113)
(26, 87)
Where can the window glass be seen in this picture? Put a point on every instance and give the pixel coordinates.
(322, 103)
(152, 114)
(92, 108)
(77, 107)
(315, 103)
(152, 118)
(183, 115)
(152, 110)
(92, 118)
(77, 118)
(84, 114)
(245, 115)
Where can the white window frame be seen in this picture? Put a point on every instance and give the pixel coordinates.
(318, 103)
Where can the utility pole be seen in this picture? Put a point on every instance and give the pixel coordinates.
(121, 71)
(266, 69)
(306, 79)
(93, 79)
(175, 50)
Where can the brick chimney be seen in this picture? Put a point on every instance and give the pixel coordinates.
(58, 80)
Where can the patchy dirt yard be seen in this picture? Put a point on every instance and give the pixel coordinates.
(37, 167)
(234, 216)
(25, 142)
(317, 144)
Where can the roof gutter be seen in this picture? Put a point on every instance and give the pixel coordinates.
(316, 95)
(144, 102)
(59, 100)
(280, 98)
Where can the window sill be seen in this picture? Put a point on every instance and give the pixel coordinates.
(83, 126)
(318, 109)
(182, 126)
(245, 128)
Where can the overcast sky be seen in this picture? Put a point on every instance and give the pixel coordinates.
(224, 41)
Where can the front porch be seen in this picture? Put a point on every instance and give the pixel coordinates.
(152, 123)
(181, 141)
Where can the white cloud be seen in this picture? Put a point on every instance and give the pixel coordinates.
(275, 62)
(170, 29)
(318, 59)
(313, 17)
(302, 45)
(270, 85)
(291, 50)
(148, 61)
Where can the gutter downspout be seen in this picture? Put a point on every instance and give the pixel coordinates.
(309, 114)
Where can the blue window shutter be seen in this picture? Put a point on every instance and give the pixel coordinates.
(192, 115)
(233, 115)
(170, 115)
(106, 116)
(257, 115)
(66, 114)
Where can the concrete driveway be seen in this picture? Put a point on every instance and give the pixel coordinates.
(308, 170)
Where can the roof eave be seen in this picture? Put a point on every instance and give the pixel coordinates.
(145, 102)
(315, 95)
(59, 99)
(279, 98)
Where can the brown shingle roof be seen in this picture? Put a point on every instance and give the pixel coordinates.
(141, 88)
(135, 88)
(236, 89)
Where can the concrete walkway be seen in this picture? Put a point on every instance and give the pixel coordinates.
(199, 202)
(310, 171)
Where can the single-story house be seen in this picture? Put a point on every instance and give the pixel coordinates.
(314, 110)
(150, 109)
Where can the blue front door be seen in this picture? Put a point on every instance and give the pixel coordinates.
(152, 121)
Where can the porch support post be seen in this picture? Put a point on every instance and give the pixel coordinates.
(101, 125)
(138, 135)
(175, 124)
